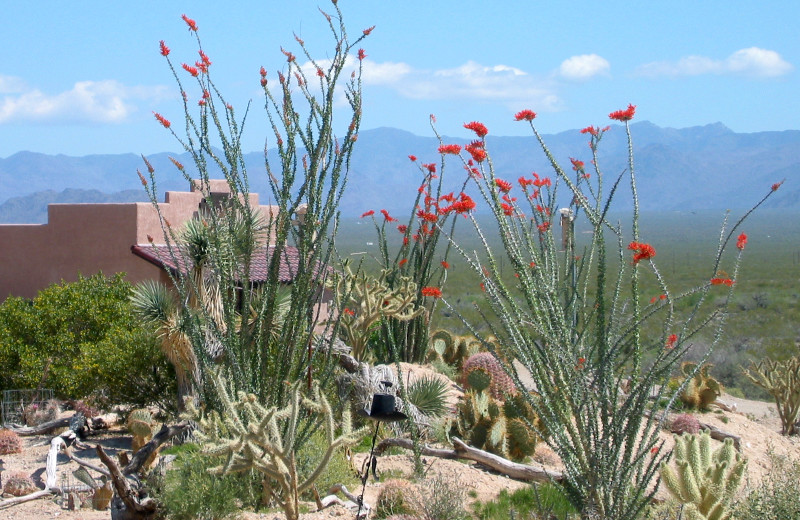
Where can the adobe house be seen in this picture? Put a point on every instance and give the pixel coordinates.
(82, 239)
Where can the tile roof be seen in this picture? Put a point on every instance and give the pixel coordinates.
(159, 254)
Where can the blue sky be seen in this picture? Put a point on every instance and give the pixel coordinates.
(82, 78)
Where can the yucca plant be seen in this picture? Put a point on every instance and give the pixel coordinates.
(573, 317)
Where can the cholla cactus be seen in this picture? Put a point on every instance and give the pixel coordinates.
(373, 300)
(706, 482)
(702, 389)
(9, 442)
(19, 484)
(251, 436)
(782, 380)
(500, 383)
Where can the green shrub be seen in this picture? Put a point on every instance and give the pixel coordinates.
(542, 501)
(188, 491)
(776, 496)
(82, 339)
(442, 499)
(338, 470)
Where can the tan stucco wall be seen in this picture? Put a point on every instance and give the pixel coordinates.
(87, 238)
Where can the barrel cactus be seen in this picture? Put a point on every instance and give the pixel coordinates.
(19, 484)
(10, 442)
(685, 423)
(500, 383)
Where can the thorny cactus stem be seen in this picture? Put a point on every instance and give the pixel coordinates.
(374, 300)
(250, 436)
(706, 482)
(782, 380)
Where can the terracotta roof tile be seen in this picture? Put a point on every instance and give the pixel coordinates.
(159, 254)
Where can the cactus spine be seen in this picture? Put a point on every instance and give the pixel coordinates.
(706, 482)
(782, 380)
(249, 436)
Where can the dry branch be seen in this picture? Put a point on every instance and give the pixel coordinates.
(28, 431)
(135, 509)
(462, 451)
(165, 434)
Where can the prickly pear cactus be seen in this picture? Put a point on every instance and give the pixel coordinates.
(451, 348)
(702, 389)
(142, 426)
(500, 383)
(705, 481)
(504, 428)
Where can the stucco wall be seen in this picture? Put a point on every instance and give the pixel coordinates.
(87, 238)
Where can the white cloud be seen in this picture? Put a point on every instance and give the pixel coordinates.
(11, 85)
(758, 62)
(583, 67)
(470, 81)
(754, 62)
(106, 101)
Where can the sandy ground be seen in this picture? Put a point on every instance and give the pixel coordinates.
(756, 422)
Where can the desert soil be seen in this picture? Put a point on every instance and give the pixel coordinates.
(755, 422)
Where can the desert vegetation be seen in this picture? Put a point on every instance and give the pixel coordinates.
(550, 321)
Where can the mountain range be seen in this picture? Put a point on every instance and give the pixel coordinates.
(696, 168)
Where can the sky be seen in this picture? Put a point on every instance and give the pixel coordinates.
(83, 78)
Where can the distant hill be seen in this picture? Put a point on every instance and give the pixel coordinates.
(706, 167)
(32, 209)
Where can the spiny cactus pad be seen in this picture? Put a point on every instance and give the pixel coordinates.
(702, 389)
(500, 383)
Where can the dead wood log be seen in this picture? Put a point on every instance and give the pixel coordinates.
(165, 434)
(721, 435)
(462, 451)
(25, 498)
(27, 431)
(127, 504)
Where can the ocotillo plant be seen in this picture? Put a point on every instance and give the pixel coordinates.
(574, 317)
(418, 255)
(306, 183)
